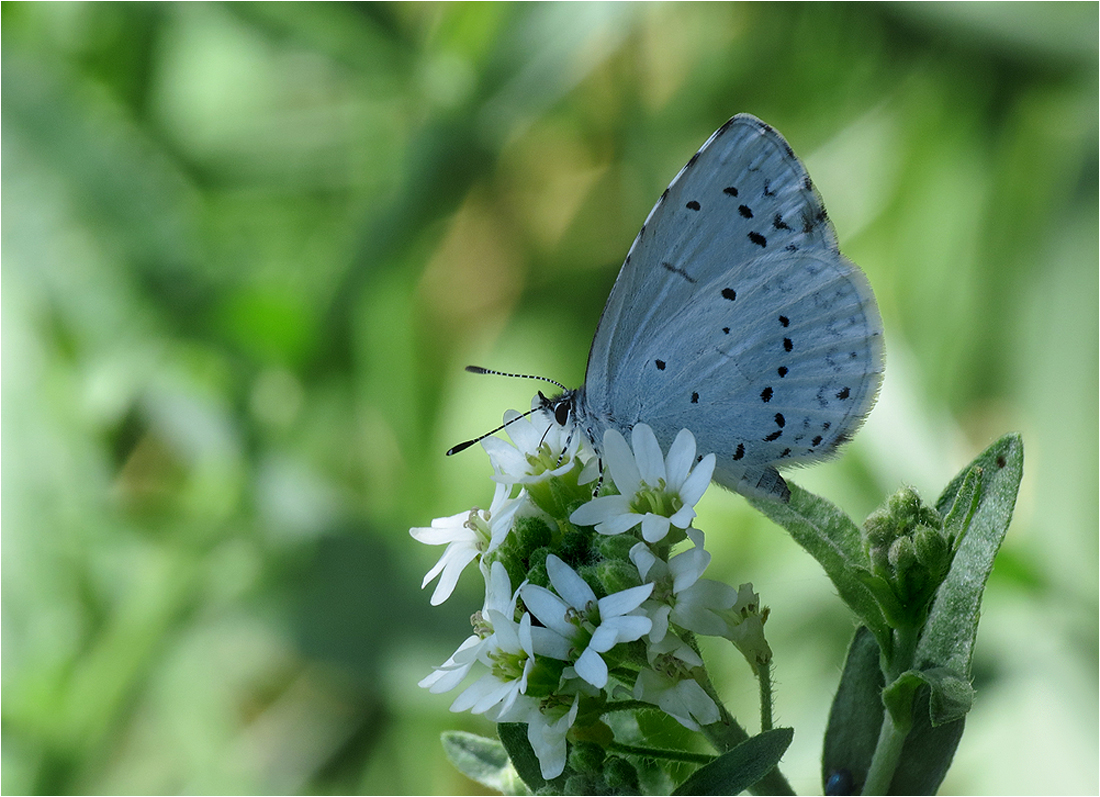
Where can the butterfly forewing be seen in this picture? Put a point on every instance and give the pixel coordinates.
(735, 316)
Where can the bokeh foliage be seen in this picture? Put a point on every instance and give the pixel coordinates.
(248, 248)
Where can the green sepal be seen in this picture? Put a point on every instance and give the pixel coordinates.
(741, 767)
(483, 760)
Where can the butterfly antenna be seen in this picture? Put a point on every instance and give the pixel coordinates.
(476, 369)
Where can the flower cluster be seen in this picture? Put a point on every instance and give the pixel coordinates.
(591, 603)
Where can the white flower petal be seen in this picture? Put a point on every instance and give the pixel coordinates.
(620, 603)
(600, 509)
(696, 484)
(651, 462)
(630, 627)
(681, 456)
(686, 567)
(654, 527)
(592, 668)
(620, 462)
(573, 589)
(619, 524)
(548, 608)
(546, 642)
(643, 558)
(454, 565)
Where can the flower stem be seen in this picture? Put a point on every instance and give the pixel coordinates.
(660, 752)
(891, 738)
(727, 733)
(764, 673)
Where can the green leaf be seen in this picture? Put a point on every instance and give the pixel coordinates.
(513, 735)
(948, 637)
(856, 719)
(957, 522)
(833, 539)
(483, 760)
(741, 767)
(951, 695)
(856, 715)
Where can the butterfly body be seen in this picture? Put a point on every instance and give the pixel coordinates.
(736, 316)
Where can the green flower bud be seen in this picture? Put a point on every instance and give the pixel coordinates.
(616, 546)
(616, 575)
(586, 756)
(932, 551)
(529, 533)
(621, 776)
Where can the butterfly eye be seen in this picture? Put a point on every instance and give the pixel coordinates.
(562, 410)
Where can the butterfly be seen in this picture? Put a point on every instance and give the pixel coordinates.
(735, 316)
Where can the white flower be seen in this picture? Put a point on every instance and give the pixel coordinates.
(656, 491)
(467, 536)
(546, 731)
(592, 626)
(540, 449)
(681, 698)
(499, 600)
(677, 594)
(510, 658)
(507, 648)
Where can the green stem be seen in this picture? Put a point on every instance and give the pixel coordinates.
(726, 734)
(891, 738)
(629, 705)
(660, 752)
(764, 673)
(887, 755)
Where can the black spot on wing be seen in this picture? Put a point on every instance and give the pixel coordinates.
(784, 321)
(766, 395)
(816, 441)
(660, 364)
(692, 205)
(843, 393)
(780, 421)
(745, 211)
(729, 293)
(768, 188)
(787, 344)
(694, 398)
(758, 239)
(774, 436)
(782, 371)
(730, 190)
(779, 224)
(740, 452)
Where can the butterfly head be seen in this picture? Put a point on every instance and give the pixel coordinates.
(562, 406)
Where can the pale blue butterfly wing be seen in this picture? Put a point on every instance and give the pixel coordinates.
(736, 316)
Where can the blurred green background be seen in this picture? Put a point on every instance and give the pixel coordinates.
(247, 250)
